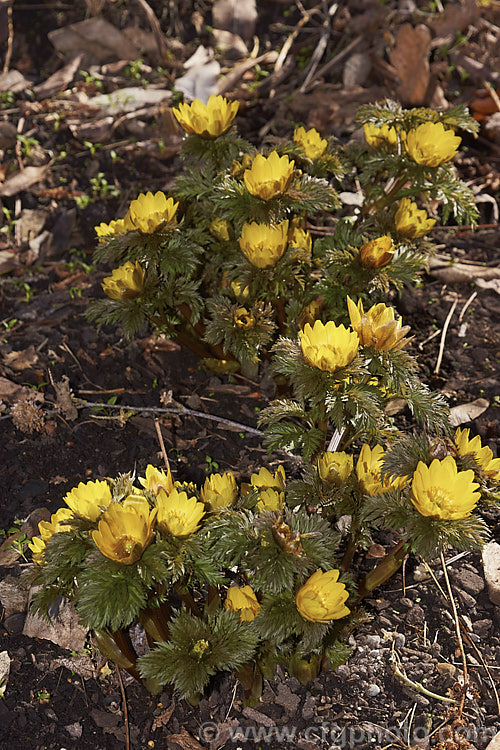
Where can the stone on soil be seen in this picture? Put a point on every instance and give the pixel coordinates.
(491, 564)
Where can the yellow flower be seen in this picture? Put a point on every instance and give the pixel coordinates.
(148, 212)
(335, 468)
(37, 547)
(243, 318)
(156, 480)
(125, 530)
(47, 529)
(89, 500)
(300, 238)
(240, 291)
(310, 142)
(56, 524)
(368, 471)
(377, 253)
(267, 481)
(207, 120)
(243, 600)
(322, 598)
(178, 514)
(380, 135)
(482, 454)
(328, 346)
(125, 282)
(441, 491)
(104, 231)
(377, 327)
(269, 177)
(431, 144)
(262, 244)
(219, 490)
(410, 221)
(270, 500)
(219, 228)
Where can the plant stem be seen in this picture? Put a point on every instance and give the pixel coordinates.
(384, 570)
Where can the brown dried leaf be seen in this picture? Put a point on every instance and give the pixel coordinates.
(21, 360)
(455, 18)
(22, 180)
(237, 16)
(467, 412)
(184, 740)
(98, 39)
(59, 80)
(410, 57)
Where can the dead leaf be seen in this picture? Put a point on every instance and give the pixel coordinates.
(8, 135)
(231, 44)
(64, 628)
(14, 81)
(99, 40)
(130, 99)
(410, 57)
(8, 261)
(60, 79)
(4, 671)
(467, 412)
(21, 360)
(356, 70)
(200, 81)
(376, 551)
(442, 268)
(184, 740)
(237, 16)
(63, 398)
(30, 224)
(453, 19)
(22, 180)
(163, 718)
(493, 284)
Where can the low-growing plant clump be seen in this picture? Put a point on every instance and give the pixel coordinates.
(243, 577)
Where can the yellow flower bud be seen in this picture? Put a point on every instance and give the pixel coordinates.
(335, 467)
(269, 177)
(482, 454)
(431, 144)
(89, 500)
(125, 530)
(219, 228)
(125, 282)
(441, 491)
(156, 480)
(243, 318)
(377, 253)
(243, 601)
(322, 598)
(300, 239)
(310, 142)
(270, 501)
(410, 221)
(149, 212)
(262, 244)
(207, 120)
(377, 327)
(380, 135)
(37, 547)
(177, 514)
(328, 346)
(266, 481)
(219, 490)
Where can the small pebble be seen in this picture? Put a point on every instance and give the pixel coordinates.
(373, 641)
(372, 691)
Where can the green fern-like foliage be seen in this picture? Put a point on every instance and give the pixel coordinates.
(198, 649)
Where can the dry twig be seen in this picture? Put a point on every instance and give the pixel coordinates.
(443, 336)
